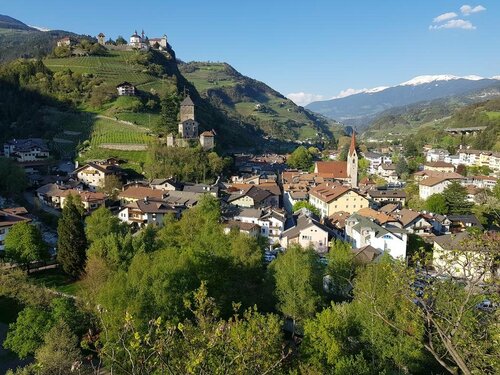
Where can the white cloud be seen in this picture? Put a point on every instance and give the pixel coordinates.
(39, 28)
(304, 98)
(454, 24)
(348, 92)
(445, 17)
(468, 10)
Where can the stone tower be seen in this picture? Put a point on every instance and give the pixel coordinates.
(187, 109)
(188, 127)
(101, 39)
(352, 162)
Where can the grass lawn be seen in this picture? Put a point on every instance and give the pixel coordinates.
(493, 115)
(55, 279)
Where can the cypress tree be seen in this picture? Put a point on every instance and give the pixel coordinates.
(72, 243)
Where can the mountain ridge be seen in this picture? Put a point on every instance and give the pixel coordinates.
(359, 109)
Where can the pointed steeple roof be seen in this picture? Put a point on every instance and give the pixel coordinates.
(187, 101)
(352, 148)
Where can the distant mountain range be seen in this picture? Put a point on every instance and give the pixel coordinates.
(360, 109)
(20, 40)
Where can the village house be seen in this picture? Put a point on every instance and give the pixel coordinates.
(250, 229)
(478, 158)
(388, 172)
(422, 175)
(165, 184)
(436, 154)
(9, 218)
(494, 162)
(202, 189)
(308, 232)
(460, 223)
(434, 185)
(459, 256)
(147, 211)
(271, 221)
(375, 160)
(93, 175)
(481, 182)
(55, 195)
(252, 196)
(383, 197)
(379, 217)
(412, 221)
(26, 150)
(331, 197)
(65, 42)
(440, 223)
(134, 193)
(361, 231)
(125, 89)
(439, 166)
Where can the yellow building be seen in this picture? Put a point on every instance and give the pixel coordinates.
(329, 198)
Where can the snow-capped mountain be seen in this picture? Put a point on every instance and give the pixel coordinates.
(370, 102)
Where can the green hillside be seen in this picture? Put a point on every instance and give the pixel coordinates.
(485, 113)
(397, 122)
(253, 102)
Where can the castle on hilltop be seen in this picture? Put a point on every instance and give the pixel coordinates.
(142, 42)
(188, 129)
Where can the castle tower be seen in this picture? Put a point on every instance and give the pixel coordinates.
(352, 162)
(188, 127)
(187, 109)
(101, 39)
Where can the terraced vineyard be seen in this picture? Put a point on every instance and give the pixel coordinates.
(113, 68)
(107, 131)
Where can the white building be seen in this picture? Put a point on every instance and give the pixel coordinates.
(361, 231)
(271, 221)
(376, 160)
(308, 232)
(433, 185)
(26, 150)
(436, 154)
(147, 211)
(93, 175)
(125, 89)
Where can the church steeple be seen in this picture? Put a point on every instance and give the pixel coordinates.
(352, 162)
(352, 148)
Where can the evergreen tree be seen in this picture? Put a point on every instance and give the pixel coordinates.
(168, 121)
(455, 196)
(72, 243)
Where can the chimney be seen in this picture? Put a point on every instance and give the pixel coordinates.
(146, 200)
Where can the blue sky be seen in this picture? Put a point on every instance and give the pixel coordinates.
(315, 49)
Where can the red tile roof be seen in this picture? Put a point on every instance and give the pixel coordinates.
(331, 169)
(328, 192)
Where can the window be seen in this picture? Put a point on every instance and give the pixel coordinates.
(2, 231)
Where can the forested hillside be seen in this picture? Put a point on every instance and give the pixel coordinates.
(479, 114)
(250, 101)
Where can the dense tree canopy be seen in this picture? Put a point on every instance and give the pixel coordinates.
(72, 242)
